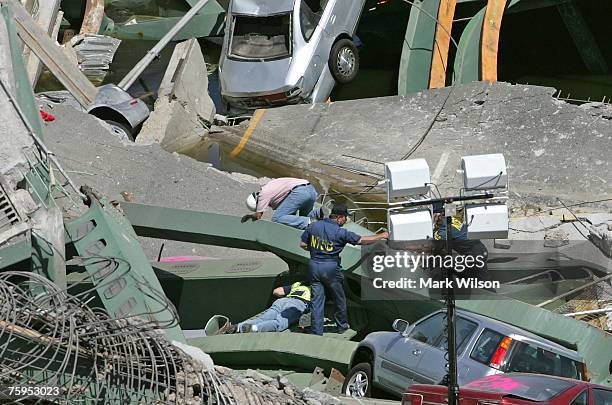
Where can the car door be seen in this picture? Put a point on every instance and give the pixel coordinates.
(432, 364)
(312, 17)
(345, 17)
(401, 357)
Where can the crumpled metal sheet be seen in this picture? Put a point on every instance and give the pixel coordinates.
(94, 52)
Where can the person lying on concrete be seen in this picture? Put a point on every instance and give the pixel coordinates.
(291, 199)
(325, 240)
(294, 300)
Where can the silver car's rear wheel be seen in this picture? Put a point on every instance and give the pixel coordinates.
(344, 61)
(358, 382)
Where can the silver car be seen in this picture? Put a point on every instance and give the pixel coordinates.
(392, 361)
(287, 51)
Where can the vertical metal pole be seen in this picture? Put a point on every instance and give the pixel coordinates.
(453, 387)
(137, 70)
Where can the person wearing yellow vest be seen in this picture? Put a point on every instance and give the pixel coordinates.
(293, 302)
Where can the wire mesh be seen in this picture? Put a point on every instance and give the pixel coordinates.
(52, 340)
(595, 297)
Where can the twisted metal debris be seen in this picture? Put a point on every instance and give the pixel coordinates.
(77, 354)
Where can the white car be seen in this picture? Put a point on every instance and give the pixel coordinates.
(287, 51)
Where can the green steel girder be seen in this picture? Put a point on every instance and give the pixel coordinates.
(119, 269)
(209, 21)
(226, 230)
(226, 282)
(467, 60)
(16, 252)
(278, 350)
(23, 90)
(583, 38)
(417, 51)
(518, 6)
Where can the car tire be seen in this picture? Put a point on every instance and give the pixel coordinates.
(358, 382)
(121, 130)
(344, 61)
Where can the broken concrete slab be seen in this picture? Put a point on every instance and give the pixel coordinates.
(183, 110)
(553, 149)
(94, 156)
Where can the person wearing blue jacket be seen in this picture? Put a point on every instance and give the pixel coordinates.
(325, 239)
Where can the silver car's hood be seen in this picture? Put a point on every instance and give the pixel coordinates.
(261, 7)
(243, 78)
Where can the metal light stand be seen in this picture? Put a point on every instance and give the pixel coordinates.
(449, 301)
(449, 296)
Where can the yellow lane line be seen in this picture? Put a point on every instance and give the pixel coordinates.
(247, 134)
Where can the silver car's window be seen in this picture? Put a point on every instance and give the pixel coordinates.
(527, 358)
(465, 330)
(602, 397)
(310, 15)
(429, 330)
(261, 37)
(485, 347)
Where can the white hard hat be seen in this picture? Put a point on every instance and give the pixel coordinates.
(251, 202)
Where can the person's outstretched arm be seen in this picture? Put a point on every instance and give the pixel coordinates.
(367, 240)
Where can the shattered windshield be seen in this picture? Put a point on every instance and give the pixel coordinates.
(261, 37)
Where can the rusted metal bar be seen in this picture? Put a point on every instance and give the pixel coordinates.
(92, 19)
(439, 61)
(490, 38)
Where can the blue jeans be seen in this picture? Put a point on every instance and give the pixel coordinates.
(326, 274)
(283, 313)
(300, 201)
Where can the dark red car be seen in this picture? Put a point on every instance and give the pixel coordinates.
(514, 388)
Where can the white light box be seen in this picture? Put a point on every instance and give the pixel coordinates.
(481, 172)
(407, 178)
(487, 221)
(413, 225)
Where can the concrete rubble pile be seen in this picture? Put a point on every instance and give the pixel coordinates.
(251, 387)
(145, 174)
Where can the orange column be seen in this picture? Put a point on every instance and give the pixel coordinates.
(446, 12)
(490, 39)
(93, 17)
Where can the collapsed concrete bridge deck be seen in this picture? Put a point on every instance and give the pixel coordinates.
(554, 149)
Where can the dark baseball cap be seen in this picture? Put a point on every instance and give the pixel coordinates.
(340, 209)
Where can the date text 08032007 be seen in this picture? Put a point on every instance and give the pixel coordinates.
(20, 391)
